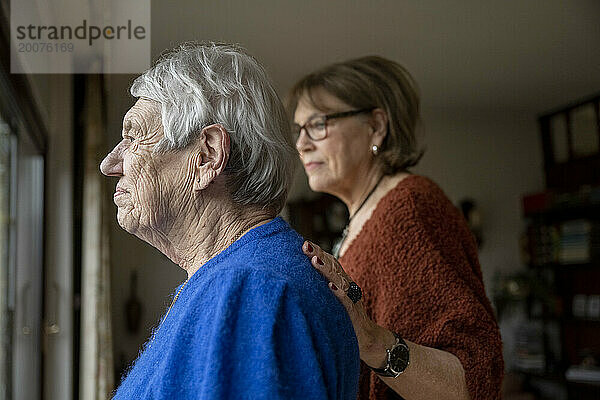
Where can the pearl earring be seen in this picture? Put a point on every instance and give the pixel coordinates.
(375, 150)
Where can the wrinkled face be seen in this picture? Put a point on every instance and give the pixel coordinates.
(150, 184)
(334, 164)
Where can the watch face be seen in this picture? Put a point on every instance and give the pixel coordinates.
(399, 358)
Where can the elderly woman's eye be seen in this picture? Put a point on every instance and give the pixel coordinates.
(319, 124)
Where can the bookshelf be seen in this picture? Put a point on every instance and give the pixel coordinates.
(561, 249)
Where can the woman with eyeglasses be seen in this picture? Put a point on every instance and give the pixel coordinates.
(411, 280)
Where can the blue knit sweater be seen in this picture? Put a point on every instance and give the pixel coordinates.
(254, 322)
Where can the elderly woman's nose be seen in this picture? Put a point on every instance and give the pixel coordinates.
(112, 165)
(303, 142)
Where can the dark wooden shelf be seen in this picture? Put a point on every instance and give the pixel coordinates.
(569, 212)
(583, 383)
(593, 323)
(572, 193)
(559, 266)
(556, 376)
(580, 321)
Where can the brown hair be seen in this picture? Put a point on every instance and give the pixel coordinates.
(367, 82)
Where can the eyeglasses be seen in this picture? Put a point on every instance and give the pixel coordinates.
(316, 127)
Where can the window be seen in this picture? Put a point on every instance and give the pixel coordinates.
(21, 248)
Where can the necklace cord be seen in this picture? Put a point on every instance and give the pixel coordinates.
(338, 246)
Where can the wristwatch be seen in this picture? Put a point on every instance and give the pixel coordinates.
(397, 359)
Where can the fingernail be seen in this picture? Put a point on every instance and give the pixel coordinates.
(319, 261)
(309, 247)
(332, 286)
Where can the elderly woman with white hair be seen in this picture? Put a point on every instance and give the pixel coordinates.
(204, 168)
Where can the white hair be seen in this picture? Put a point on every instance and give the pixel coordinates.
(199, 84)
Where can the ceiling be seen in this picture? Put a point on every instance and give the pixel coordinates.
(525, 55)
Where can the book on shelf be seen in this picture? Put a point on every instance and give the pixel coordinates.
(570, 242)
(577, 373)
(529, 348)
(575, 242)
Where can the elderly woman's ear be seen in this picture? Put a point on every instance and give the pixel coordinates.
(379, 125)
(213, 146)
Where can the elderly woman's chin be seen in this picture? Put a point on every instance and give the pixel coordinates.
(126, 220)
(320, 182)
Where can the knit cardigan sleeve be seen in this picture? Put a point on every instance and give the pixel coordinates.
(427, 284)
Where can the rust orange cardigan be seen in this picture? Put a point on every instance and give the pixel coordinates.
(417, 264)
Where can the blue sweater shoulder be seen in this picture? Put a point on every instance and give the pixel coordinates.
(255, 322)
